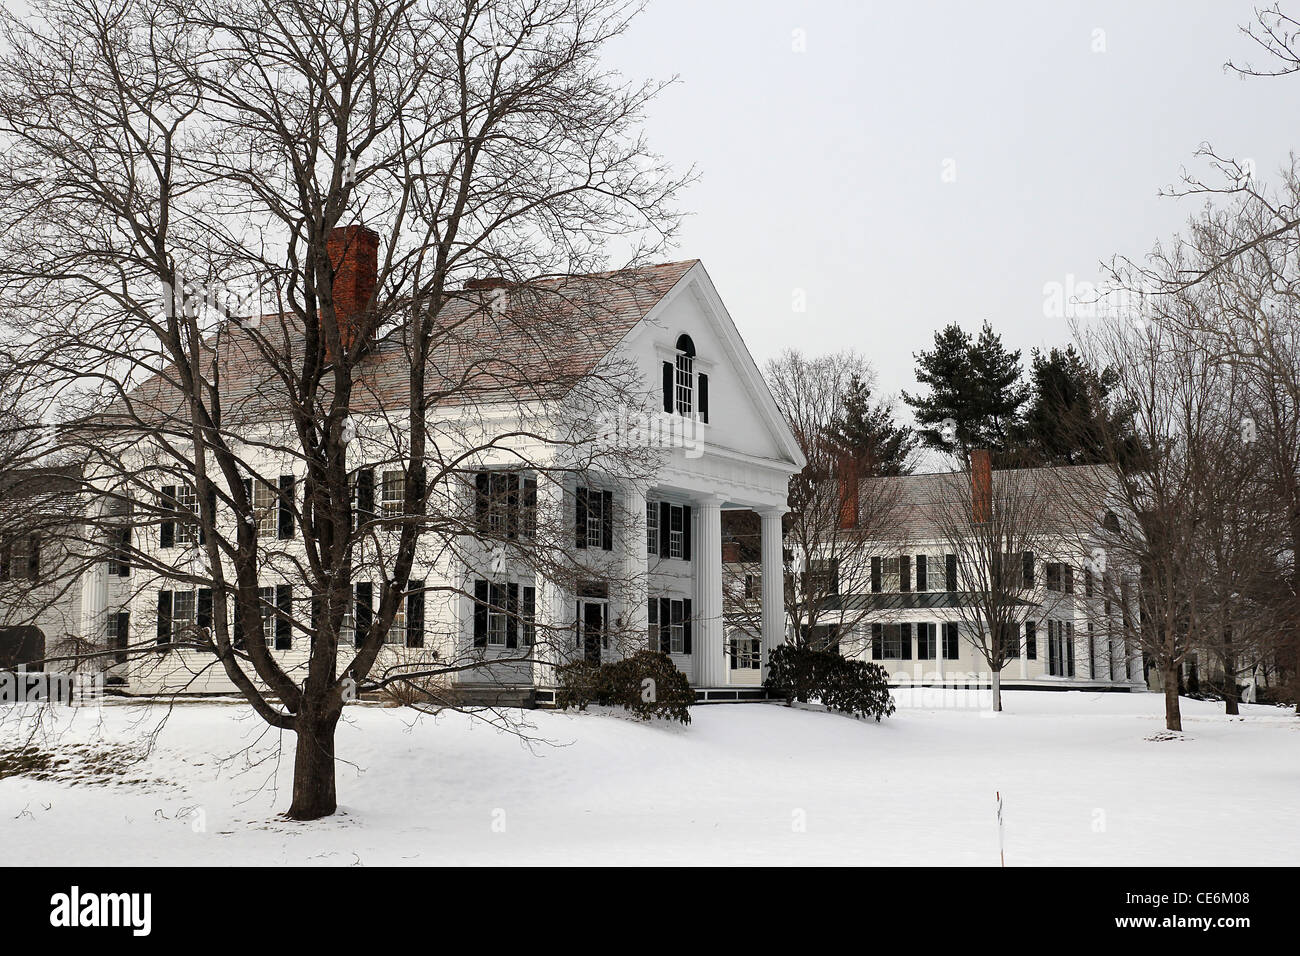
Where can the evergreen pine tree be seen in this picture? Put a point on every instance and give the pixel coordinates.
(976, 392)
(866, 430)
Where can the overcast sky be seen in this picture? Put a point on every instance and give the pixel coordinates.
(822, 170)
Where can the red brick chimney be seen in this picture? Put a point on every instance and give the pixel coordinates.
(354, 254)
(981, 485)
(731, 552)
(847, 471)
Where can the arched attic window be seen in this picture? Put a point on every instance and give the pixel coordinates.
(1110, 521)
(686, 391)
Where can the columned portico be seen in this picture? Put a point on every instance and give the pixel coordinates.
(710, 655)
(772, 577)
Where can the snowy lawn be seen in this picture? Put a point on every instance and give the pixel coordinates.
(1082, 778)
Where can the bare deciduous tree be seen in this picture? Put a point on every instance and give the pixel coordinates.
(354, 165)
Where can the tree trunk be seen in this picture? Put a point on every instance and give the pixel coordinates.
(314, 795)
(1173, 718)
(1230, 686)
(997, 691)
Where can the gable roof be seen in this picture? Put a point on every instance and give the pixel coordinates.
(547, 337)
(914, 502)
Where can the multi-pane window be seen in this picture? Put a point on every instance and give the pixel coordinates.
(887, 641)
(752, 587)
(119, 555)
(187, 500)
(745, 653)
(393, 493)
(118, 635)
(951, 647)
(184, 610)
(266, 608)
(505, 504)
(677, 627)
(266, 507)
(498, 618)
(653, 626)
(397, 630)
(1060, 648)
(21, 558)
(925, 641)
(684, 379)
(595, 519)
(824, 577)
(651, 527)
(676, 532)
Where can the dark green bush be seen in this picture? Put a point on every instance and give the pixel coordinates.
(860, 688)
(647, 684)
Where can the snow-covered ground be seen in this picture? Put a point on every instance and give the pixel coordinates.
(1083, 780)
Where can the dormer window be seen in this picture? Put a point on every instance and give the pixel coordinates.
(685, 391)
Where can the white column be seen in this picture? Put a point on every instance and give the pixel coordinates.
(773, 582)
(711, 661)
(633, 611)
(94, 594)
(553, 611)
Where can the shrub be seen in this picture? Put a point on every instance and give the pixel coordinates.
(860, 688)
(647, 684)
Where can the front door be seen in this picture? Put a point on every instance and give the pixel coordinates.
(593, 630)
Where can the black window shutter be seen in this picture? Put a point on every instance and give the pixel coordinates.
(124, 552)
(529, 505)
(164, 617)
(878, 639)
(417, 481)
(607, 520)
(415, 614)
(906, 631)
(1027, 569)
(285, 526)
(665, 528)
(167, 529)
(203, 608)
(212, 512)
(580, 517)
(481, 500)
(1031, 641)
(283, 623)
(1069, 580)
(704, 397)
(34, 557)
(577, 627)
(668, 386)
(875, 575)
(686, 626)
(666, 625)
(529, 611)
(950, 572)
(922, 573)
(365, 494)
(123, 636)
(364, 610)
(5, 559)
(480, 613)
(512, 505)
(512, 615)
(686, 532)
(905, 572)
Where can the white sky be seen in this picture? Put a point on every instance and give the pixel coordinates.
(821, 170)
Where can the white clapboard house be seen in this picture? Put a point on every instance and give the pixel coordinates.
(661, 529)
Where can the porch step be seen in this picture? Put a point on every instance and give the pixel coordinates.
(494, 695)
